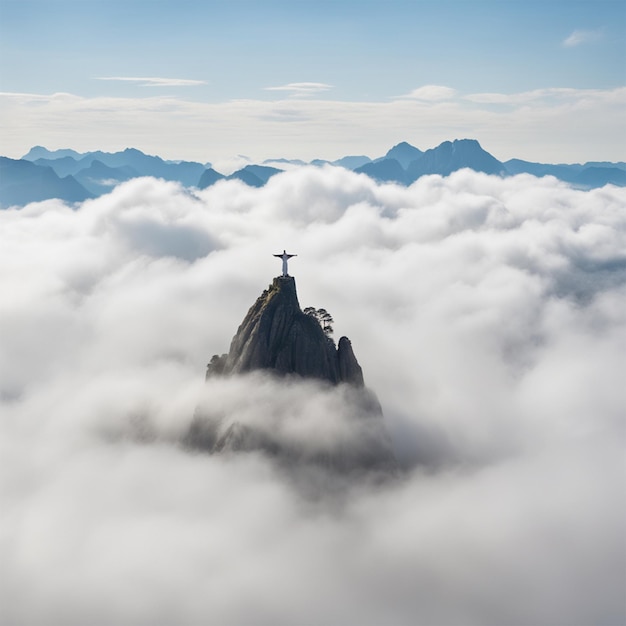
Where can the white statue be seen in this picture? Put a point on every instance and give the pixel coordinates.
(284, 256)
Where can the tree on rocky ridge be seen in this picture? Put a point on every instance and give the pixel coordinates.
(324, 318)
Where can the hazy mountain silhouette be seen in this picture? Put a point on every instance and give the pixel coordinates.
(99, 178)
(451, 156)
(63, 166)
(254, 175)
(77, 176)
(446, 158)
(285, 161)
(592, 174)
(386, 170)
(620, 165)
(187, 173)
(404, 153)
(600, 176)
(352, 162)
(563, 172)
(22, 182)
(209, 177)
(39, 152)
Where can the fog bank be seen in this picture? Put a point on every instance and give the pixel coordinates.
(488, 317)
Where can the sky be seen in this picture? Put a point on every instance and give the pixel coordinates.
(487, 314)
(544, 81)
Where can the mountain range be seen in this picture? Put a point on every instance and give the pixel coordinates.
(73, 177)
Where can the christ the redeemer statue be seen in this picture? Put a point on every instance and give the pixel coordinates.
(284, 256)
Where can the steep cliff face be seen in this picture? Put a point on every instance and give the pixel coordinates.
(286, 391)
(276, 335)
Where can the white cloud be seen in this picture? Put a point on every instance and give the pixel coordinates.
(540, 125)
(579, 37)
(550, 96)
(229, 165)
(301, 89)
(432, 93)
(156, 81)
(487, 314)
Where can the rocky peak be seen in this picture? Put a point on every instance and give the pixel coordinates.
(334, 423)
(277, 335)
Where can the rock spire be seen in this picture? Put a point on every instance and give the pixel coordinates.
(276, 335)
(310, 411)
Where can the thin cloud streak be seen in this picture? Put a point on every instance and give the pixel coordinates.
(579, 37)
(156, 81)
(301, 89)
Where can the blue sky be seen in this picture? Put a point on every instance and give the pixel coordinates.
(208, 80)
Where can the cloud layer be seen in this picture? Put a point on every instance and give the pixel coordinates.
(540, 125)
(487, 314)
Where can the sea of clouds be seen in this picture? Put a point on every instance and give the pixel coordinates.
(488, 316)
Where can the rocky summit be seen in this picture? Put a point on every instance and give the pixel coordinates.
(277, 335)
(318, 413)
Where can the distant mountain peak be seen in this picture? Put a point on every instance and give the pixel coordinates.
(385, 170)
(22, 182)
(404, 153)
(39, 152)
(450, 156)
(352, 162)
(254, 175)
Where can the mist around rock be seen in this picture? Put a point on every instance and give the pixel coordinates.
(487, 315)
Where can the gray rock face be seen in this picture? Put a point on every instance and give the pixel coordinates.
(276, 335)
